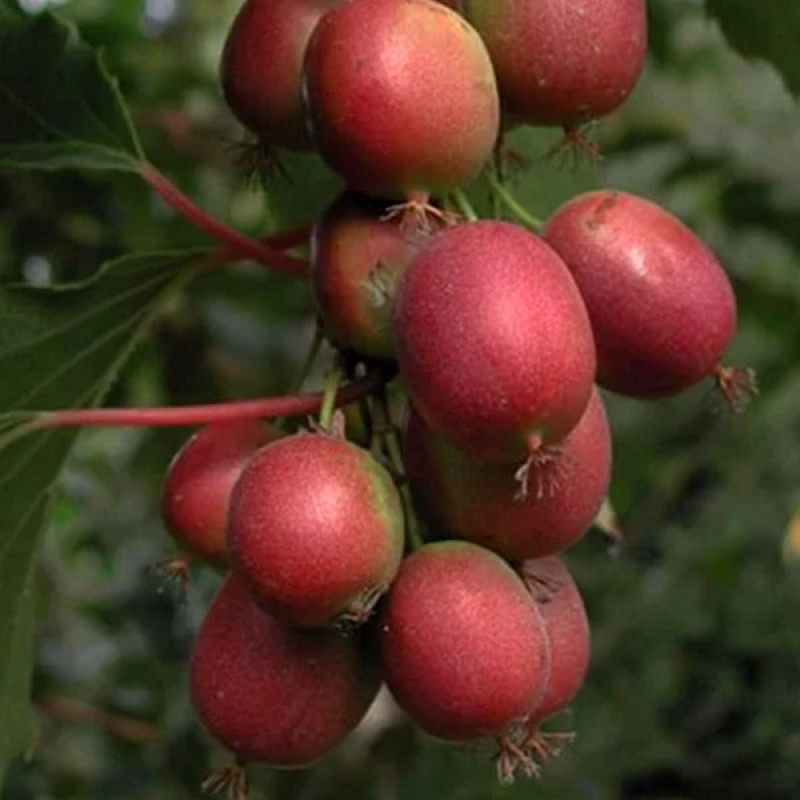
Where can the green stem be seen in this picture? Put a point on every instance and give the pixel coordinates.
(464, 206)
(512, 204)
(383, 425)
(332, 381)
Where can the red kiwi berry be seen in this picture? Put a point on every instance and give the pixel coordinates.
(402, 98)
(275, 694)
(357, 257)
(562, 62)
(199, 483)
(493, 341)
(662, 308)
(484, 503)
(262, 64)
(316, 530)
(463, 648)
(567, 626)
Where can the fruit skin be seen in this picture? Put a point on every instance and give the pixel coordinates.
(357, 257)
(401, 96)
(200, 480)
(493, 340)
(480, 501)
(463, 649)
(562, 62)
(261, 67)
(567, 627)
(662, 309)
(272, 693)
(315, 529)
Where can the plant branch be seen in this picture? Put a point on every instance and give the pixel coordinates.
(235, 245)
(133, 730)
(160, 417)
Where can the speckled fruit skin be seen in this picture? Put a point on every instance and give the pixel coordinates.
(478, 501)
(261, 67)
(357, 257)
(199, 483)
(493, 340)
(562, 62)
(315, 529)
(662, 309)
(275, 694)
(401, 95)
(463, 649)
(567, 626)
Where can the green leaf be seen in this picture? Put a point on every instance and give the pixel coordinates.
(765, 30)
(59, 348)
(59, 106)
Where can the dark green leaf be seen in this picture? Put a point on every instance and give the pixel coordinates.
(59, 348)
(769, 31)
(58, 105)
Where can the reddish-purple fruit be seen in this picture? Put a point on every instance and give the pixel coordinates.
(402, 97)
(262, 66)
(357, 257)
(199, 483)
(662, 309)
(275, 694)
(463, 648)
(485, 503)
(315, 529)
(493, 340)
(562, 62)
(567, 627)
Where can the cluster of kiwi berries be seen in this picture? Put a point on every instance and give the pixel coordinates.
(431, 562)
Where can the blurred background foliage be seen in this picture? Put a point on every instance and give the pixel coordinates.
(692, 691)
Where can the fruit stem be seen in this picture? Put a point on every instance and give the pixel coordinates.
(235, 245)
(332, 381)
(511, 203)
(464, 206)
(386, 431)
(263, 408)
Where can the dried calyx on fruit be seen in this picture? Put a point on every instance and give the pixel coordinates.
(483, 502)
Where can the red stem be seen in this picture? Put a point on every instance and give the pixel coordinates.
(285, 240)
(263, 408)
(236, 244)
